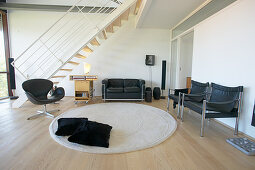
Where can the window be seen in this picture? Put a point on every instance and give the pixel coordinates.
(4, 92)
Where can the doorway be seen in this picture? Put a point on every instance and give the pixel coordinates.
(181, 60)
(185, 64)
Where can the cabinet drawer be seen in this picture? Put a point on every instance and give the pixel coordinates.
(81, 85)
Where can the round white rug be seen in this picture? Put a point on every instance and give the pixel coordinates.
(135, 126)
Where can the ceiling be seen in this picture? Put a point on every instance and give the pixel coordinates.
(165, 14)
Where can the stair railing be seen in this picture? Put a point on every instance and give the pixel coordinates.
(50, 48)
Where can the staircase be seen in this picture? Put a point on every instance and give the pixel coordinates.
(71, 39)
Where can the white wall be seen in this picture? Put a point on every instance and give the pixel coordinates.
(224, 54)
(123, 56)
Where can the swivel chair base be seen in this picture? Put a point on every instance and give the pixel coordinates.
(44, 112)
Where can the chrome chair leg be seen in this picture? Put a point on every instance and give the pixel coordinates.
(203, 119)
(168, 103)
(35, 116)
(179, 105)
(183, 96)
(236, 126)
(44, 112)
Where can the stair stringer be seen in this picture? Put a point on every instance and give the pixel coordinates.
(91, 35)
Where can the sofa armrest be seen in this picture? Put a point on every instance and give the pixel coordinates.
(141, 83)
(105, 82)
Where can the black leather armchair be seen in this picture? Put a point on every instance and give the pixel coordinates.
(197, 92)
(221, 102)
(123, 89)
(37, 91)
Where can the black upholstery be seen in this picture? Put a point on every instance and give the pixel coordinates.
(92, 134)
(222, 100)
(198, 92)
(132, 89)
(198, 88)
(38, 89)
(131, 83)
(123, 88)
(67, 126)
(115, 90)
(115, 83)
(198, 107)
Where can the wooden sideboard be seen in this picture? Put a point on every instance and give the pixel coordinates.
(83, 87)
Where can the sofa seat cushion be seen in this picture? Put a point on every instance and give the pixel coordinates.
(114, 90)
(132, 90)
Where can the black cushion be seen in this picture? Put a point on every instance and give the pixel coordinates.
(131, 83)
(115, 90)
(132, 90)
(92, 134)
(115, 83)
(67, 126)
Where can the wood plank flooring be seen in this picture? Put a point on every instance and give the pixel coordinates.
(26, 144)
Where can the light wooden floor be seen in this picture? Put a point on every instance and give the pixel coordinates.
(27, 145)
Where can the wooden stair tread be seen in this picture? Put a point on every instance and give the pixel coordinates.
(87, 49)
(65, 69)
(94, 42)
(125, 15)
(80, 56)
(58, 76)
(104, 34)
(117, 22)
(72, 62)
(110, 28)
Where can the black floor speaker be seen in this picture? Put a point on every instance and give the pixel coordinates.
(156, 93)
(163, 79)
(148, 94)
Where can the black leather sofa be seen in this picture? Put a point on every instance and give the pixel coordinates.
(123, 89)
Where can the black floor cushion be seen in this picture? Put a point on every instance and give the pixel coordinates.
(67, 126)
(92, 134)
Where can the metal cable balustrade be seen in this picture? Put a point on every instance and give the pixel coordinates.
(54, 48)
